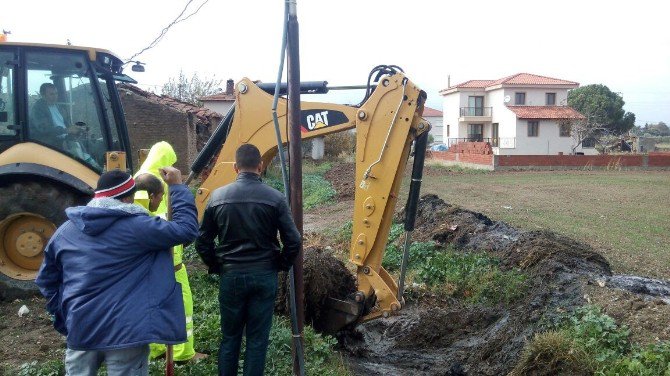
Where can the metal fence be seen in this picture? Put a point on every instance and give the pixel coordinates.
(502, 142)
(476, 111)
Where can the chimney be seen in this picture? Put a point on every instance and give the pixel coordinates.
(229, 86)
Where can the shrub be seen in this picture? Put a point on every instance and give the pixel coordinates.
(340, 143)
(553, 353)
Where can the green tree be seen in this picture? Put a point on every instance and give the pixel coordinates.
(658, 129)
(191, 90)
(602, 108)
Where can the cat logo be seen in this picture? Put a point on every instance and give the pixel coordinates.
(317, 119)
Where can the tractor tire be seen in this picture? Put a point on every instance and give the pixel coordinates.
(30, 211)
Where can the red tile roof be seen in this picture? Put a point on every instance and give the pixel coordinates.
(545, 112)
(223, 97)
(475, 84)
(531, 79)
(202, 113)
(519, 79)
(431, 112)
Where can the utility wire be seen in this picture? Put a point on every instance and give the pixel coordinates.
(180, 18)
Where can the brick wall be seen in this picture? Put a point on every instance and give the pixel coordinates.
(471, 148)
(149, 122)
(570, 160)
(654, 160)
(474, 159)
(659, 159)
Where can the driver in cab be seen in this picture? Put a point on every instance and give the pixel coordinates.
(49, 124)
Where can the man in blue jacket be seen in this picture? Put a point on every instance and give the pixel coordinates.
(108, 278)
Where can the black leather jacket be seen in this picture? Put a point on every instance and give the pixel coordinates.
(245, 216)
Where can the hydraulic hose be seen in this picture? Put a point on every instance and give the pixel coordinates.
(412, 204)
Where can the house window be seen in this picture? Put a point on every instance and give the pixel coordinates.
(533, 128)
(476, 106)
(551, 99)
(588, 143)
(519, 98)
(564, 129)
(476, 132)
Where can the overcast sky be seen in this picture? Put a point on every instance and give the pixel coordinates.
(623, 45)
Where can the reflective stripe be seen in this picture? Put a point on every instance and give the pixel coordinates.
(189, 333)
(189, 319)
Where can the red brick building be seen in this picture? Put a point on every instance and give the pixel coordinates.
(151, 118)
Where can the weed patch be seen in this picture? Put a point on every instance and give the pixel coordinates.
(593, 340)
(316, 190)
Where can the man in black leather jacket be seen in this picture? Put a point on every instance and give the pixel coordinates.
(245, 216)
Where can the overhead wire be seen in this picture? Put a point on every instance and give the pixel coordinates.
(180, 18)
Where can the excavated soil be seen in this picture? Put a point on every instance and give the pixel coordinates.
(323, 276)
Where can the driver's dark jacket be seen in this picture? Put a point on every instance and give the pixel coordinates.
(42, 126)
(245, 216)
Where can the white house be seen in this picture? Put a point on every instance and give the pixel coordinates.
(523, 114)
(434, 117)
(221, 102)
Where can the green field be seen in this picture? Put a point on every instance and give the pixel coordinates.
(625, 215)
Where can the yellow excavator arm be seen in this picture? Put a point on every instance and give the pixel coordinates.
(386, 125)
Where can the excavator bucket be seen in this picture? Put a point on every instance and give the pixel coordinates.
(339, 314)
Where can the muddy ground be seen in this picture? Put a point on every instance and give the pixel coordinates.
(433, 334)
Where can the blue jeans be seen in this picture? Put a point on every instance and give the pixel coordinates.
(247, 303)
(132, 361)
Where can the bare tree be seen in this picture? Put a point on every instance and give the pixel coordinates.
(191, 90)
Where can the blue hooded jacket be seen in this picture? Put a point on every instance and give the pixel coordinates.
(108, 276)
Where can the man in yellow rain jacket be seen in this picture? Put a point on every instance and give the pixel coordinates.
(161, 155)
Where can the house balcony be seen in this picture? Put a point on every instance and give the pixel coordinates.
(482, 114)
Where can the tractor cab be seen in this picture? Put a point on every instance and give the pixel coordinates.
(60, 113)
(63, 98)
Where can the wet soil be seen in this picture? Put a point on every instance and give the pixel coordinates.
(324, 276)
(434, 335)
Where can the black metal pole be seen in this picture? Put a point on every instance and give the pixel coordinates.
(295, 162)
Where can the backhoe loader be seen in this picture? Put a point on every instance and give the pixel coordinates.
(386, 123)
(60, 114)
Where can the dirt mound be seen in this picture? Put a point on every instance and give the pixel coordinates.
(324, 276)
(341, 176)
(546, 252)
(443, 223)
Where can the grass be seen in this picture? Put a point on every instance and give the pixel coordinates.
(590, 342)
(472, 277)
(320, 357)
(624, 214)
(316, 190)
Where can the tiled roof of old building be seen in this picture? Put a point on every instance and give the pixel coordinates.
(202, 113)
(222, 97)
(546, 112)
(431, 112)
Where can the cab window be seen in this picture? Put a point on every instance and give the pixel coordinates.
(62, 106)
(8, 125)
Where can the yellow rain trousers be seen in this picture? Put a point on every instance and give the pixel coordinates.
(162, 155)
